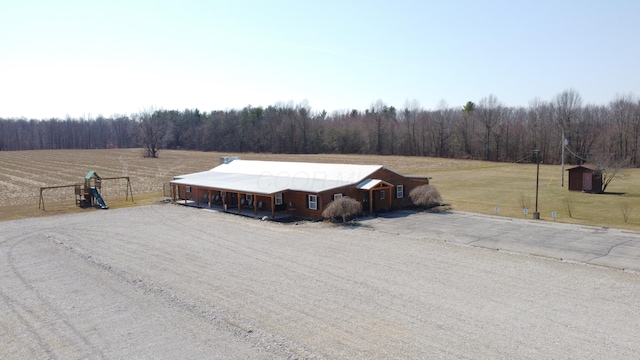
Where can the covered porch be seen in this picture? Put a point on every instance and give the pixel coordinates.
(259, 214)
(376, 195)
(236, 202)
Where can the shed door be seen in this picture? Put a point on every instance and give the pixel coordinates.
(587, 182)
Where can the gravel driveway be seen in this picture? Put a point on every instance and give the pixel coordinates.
(174, 282)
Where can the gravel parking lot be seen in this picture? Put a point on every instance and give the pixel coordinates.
(169, 281)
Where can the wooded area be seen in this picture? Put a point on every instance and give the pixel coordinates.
(486, 130)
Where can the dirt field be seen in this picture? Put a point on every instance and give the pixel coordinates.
(468, 185)
(169, 281)
(24, 172)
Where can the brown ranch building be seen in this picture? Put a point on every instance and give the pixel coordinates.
(297, 189)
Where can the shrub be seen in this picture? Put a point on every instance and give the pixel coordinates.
(626, 210)
(524, 201)
(344, 207)
(568, 205)
(426, 195)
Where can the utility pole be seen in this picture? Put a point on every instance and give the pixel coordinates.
(565, 142)
(536, 214)
(563, 145)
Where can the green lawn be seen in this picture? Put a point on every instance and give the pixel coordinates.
(480, 186)
(468, 185)
(483, 187)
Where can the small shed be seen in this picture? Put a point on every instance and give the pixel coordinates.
(586, 178)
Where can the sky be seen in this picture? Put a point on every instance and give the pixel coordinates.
(103, 58)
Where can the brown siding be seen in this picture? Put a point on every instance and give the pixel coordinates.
(386, 175)
(396, 179)
(576, 179)
(184, 195)
(299, 199)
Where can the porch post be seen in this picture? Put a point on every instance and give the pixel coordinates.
(371, 202)
(273, 206)
(255, 204)
(224, 201)
(239, 203)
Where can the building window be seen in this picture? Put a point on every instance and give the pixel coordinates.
(382, 195)
(313, 202)
(400, 191)
(336, 196)
(188, 188)
(279, 199)
(249, 197)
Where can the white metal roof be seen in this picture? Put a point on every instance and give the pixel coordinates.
(270, 177)
(368, 184)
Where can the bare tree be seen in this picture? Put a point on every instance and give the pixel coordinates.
(621, 111)
(302, 117)
(539, 122)
(489, 109)
(626, 209)
(568, 205)
(636, 133)
(409, 116)
(566, 107)
(377, 125)
(154, 131)
(524, 201)
(608, 167)
(441, 131)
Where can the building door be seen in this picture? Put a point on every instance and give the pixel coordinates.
(365, 201)
(373, 200)
(587, 181)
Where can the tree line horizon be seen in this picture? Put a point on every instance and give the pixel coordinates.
(486, 130)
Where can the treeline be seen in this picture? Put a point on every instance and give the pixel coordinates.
(486, 130)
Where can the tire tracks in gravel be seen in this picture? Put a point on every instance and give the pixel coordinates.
(344, 282)
(233, 321)
(171, 297)
(36, 316)
(18, 310)
(273, 259)
(339, 280)
(161, 259)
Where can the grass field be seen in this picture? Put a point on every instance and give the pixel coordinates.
(467, 185)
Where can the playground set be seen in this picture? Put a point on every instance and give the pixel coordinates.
(88, 193)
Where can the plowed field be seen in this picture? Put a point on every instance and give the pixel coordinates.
(24, 172)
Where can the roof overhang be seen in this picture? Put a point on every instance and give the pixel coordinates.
(585, 166)
(259, 184)
(373, 184)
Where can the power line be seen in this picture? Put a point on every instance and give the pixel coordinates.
(574, 154)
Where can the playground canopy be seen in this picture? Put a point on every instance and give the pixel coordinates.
(92, 174)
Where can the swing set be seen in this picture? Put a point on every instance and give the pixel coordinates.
(88, 193)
